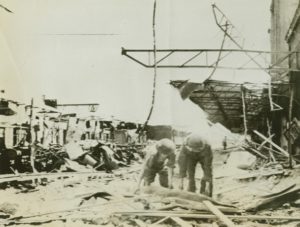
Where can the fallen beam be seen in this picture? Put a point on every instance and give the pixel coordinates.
(25, 177)
(271, 142)
(140, 223)
(164, 192)
(160, 221)
(168, 207)
(59, 212)
(264, 142)
(256, 175)
(205, 216)
(276, 200)
(280, 192)
(265, 147)
(191, 205)
(181, 222)
(218, 213)
(258, 153)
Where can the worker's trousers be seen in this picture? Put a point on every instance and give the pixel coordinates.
(150, 174)
(207, 173)
(187, 164)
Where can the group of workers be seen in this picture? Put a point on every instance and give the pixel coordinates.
(161, 159)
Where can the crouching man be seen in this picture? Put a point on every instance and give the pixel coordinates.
(196, 150)
(160, 160)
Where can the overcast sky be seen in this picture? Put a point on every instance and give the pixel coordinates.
(37, 59)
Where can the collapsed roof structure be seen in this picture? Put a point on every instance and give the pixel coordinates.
(235, 104)
(224, 101)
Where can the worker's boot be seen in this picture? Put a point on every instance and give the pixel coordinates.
(192, 185)
(181, 184)
(204, 186)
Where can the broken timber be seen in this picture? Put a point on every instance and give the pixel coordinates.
(204, 216)
(276, 200)
(256, 152)
(181, 222)
(191, 205)
(267, 148)
(25, 177)
(271, 142)
(163, 192)
(280, 192)
(59, 212)
(218, 213)
(263, 143)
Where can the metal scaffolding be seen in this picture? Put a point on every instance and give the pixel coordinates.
(225, 102)
(205, 58)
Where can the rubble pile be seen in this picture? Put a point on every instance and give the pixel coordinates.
(261, 196)
(67, 171)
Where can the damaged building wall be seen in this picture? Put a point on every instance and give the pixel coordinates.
(282, 14)
(293, 40)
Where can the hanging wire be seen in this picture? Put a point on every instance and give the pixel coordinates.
(155, 69)
(270, 136)
(270, 94)
(219, 56)
(5, 8)
(240, 46)
(244, 110)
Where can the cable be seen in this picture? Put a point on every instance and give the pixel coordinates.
(155, 69)
(219, 56)
(244, 111)
(6, 9)
(240, 46)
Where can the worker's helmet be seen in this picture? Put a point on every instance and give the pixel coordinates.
(195, 141)
(165, 146)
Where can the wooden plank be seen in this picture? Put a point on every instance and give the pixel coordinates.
(164, 192)
(160, 221)
(270, 138)
(218, 213)
(116, 173)
(255, 175)
(191, 205)
(140, 223)
(267, 148)
(275, 201)
(25, 177)
(271, 142)
(258, 153)
(121, 201)
(264, 142)
(168, 207)
(181, 222)
(207, 216)
(280, 192)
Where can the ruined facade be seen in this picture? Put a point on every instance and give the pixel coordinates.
(285, 40)
(281, 17)
(293, 39)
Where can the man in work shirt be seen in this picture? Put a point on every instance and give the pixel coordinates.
(160, 156)
(196, 150)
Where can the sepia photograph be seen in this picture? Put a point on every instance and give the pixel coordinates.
(146, 113)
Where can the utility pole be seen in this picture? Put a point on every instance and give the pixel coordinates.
(30, 120)
(290, 148)
(32, 149)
